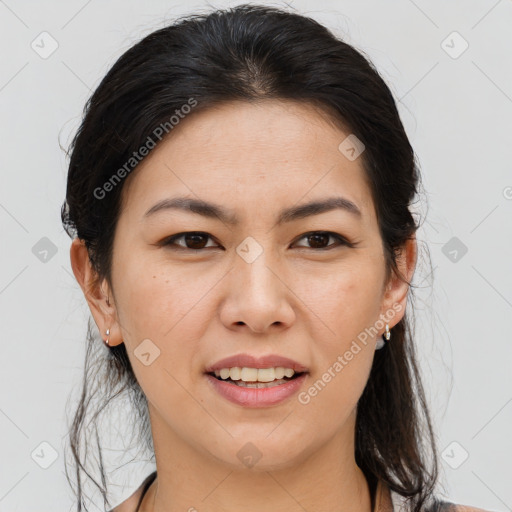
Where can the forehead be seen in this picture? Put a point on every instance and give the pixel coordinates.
(245, 153)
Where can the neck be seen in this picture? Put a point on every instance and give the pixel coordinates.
(188, 480)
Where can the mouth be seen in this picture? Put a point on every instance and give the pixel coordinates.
(251, 393)
(256, 381)
(256, 384)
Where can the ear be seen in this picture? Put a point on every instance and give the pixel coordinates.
(395, 294)
(98, 294)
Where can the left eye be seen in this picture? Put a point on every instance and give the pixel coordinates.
(197, 239)
(319, 237)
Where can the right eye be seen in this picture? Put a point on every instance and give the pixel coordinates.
(194, 241)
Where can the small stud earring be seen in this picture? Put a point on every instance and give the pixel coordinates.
(388, 333)
(107, 333)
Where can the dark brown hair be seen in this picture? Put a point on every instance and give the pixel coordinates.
(252, 53)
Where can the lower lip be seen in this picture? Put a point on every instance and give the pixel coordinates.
(257, 397)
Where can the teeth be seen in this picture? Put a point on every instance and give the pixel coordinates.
(254, 374)
(249, 374)
(224, 373)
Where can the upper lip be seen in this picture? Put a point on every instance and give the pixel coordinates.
(249, 361)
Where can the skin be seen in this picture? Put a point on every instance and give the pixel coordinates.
(295, 300)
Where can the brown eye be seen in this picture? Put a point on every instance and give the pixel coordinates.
(320, 240)
(194, 240)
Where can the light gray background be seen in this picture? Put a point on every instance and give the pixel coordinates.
(457, 112)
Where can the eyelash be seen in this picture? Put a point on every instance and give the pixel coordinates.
(169, 241)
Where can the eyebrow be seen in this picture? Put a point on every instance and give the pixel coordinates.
(212, 210)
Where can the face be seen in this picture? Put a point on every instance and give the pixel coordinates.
(310, 288)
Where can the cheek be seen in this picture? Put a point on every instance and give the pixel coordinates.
(154, 297)
(345, 304)
(348, 306)
(345, 300)
(159, 304)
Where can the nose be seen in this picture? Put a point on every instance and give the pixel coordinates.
(257, 297)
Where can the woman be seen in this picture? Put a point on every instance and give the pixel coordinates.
(238, 195)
